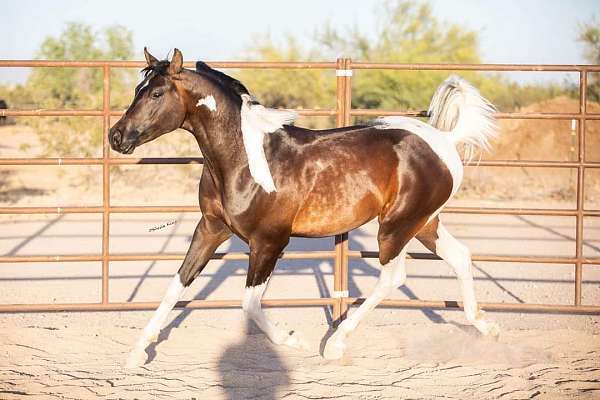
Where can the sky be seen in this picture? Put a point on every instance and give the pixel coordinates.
(510, 31)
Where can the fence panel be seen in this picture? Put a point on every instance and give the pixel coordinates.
(340, 254)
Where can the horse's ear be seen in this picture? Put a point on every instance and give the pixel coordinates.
(150, 59)
(176, 64)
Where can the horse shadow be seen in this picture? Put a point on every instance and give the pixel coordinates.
(252, 368)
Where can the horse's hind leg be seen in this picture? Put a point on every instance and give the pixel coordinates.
(393, 238)
(209, 234)
(391, 276)
(437, 239)
(263, 257)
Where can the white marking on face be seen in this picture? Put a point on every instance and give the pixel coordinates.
(209, 102)
(146, 83)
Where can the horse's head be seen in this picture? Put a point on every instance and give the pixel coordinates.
(157, 108)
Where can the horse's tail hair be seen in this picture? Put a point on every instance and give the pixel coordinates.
(459, 108)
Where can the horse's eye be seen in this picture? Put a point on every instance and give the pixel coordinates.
(156, 95)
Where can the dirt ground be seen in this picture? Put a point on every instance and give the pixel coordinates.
(216, 354)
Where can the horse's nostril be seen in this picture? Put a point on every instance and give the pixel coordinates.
(116, 137)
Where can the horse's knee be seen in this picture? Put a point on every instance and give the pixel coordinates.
(388, 252)
(187, 274)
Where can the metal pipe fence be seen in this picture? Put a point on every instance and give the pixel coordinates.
(340, 254)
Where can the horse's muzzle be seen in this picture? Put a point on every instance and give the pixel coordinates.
(115, 138)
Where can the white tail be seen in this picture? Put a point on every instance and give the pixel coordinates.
(459, 108)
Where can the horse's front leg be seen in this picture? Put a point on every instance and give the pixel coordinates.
(209, 234)
(263, 256)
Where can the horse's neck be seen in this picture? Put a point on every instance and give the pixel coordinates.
(220, 141)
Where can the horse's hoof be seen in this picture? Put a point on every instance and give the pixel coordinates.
(295, 341)
(334, 349)
(488, 329)
(493, 330)
(136, 359)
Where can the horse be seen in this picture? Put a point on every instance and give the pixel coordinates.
(266, 180)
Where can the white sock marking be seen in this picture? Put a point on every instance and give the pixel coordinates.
(252, 308)
(208, 101)
(458, 257)
(174, 292)
(392, 275)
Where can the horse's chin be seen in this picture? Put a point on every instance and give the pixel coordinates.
(129, 149)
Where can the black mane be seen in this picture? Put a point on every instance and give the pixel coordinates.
(226, 81)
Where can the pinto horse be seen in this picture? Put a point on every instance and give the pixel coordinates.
(266, 180)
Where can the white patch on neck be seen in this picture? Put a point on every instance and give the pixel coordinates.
(257, 121)
(209, 102)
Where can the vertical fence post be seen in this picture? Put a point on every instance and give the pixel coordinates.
(344, 239)
(580, 185)
(338, 262)
(105, 181)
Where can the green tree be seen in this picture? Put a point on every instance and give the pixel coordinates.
(79, 87)
(589, 35)
(288, 88)
(407, 32)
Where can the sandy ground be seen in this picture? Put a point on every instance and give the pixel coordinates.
(215, 354)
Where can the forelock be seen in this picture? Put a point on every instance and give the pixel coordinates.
(150, 71)
(159, 68)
